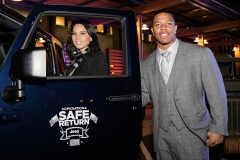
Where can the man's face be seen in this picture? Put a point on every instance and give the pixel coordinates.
(164, 29)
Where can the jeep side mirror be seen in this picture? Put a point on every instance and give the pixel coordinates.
(29, 66)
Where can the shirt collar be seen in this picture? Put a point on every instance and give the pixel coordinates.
(173, 48)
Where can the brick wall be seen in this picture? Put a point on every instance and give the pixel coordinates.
(61, 33)
(105, 41)
(148, 47)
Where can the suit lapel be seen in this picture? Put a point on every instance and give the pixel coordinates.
(154, 69)
(180, 61)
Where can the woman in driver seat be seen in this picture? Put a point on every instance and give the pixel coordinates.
(84, 51)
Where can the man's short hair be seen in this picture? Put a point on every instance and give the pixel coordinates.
(163, 11)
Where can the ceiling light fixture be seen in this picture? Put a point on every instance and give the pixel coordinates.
(145, 27)
(205, 41)
(235, 48)
(196, 39)
(41, 40)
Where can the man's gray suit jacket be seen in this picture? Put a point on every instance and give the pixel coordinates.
(196, 74)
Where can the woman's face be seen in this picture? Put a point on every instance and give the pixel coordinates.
(80, 37)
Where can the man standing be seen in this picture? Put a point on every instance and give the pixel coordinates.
(179, 78)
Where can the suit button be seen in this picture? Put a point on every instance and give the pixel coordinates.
(169, 102)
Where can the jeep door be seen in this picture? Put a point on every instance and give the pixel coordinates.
(52, 116)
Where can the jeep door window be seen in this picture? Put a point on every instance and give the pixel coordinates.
(111, 33)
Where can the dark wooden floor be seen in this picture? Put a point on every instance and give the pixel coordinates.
(147, 141)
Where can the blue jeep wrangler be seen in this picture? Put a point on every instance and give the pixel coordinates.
(51, 116)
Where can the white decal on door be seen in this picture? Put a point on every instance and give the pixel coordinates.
(73, 122)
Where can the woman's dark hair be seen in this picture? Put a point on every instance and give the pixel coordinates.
(94, 44)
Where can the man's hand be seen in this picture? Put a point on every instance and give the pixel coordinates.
(214, 139)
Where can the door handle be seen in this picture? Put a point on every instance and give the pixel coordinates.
(8, 116)
(132, 97)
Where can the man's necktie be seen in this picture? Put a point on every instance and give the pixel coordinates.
(164, 66)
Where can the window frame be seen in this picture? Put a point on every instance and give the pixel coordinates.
(124, 40)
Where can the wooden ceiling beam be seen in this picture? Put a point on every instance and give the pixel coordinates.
(156, 5)
(212, 28)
